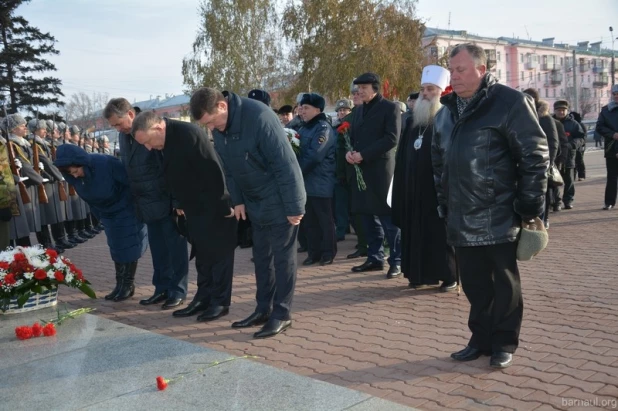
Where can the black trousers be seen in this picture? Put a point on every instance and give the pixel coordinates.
(611, 187)
(320, 228)
(275, 258)
(214, 279)
(490, 279)
(580, 166)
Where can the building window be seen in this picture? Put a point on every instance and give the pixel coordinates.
(521, 57)
(506, 57)
(498, 56)
(499, 74)
(539, 77)
(554, 93)
(582, 78)
(546, 92)
(530, 76)
(522, 76)
(507, 76)
(595, 92)
(588, 78)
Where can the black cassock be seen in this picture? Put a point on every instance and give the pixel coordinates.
(425, 256)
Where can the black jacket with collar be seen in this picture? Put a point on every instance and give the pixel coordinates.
(260, 167)
(490, 165)
(375, 131)
(145, 171)
(607, 126)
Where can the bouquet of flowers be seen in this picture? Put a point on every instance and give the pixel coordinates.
(294, 139)
(26, 271)
(344, 130)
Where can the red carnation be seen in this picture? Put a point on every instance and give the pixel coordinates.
(49, 330)
(51, 253)
(40, 275)
(9, 279)
(161, 383)
(24, 332)
(20, 257)
(4, 265)
(343, 127)
(447, 90)
(59, 276)
(37, 330)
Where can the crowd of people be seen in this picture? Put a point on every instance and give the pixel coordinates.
(437, 189)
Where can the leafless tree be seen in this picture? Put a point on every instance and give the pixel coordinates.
(84, 110)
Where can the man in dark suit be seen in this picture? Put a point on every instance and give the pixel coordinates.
(375, 130)
(266, 183)
(194, 177)
(154, 207)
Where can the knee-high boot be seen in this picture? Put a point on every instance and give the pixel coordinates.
(127, 288)
(119, 275)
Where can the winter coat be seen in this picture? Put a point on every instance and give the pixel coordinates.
(145, 170)
(318, 143)
(563, 153)
(607, 126)
(490, 165)
(194, 176)
(105, 187)
(260, 166)
(576, 137)
(374, 133)
(548, 125)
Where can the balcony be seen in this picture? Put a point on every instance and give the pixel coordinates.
(491, 63)
(531, 65)
(583, 68)
(600, 69)
(603, 82)
(555, 79)
(548, 65)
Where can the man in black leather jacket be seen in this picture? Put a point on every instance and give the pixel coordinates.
(490, 159)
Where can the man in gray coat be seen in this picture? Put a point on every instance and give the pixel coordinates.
(265, 183)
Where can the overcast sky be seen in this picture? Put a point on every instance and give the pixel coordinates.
(135, 48)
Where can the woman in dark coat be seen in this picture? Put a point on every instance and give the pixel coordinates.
(101, 181)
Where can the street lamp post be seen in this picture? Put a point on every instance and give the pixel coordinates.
(611, 32)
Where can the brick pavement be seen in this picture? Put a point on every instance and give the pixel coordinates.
(365, 332)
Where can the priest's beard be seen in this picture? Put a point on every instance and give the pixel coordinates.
(425, 111)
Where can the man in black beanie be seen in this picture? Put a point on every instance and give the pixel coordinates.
(317, 162)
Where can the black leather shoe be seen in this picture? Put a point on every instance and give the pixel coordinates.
(393, 272)
(446, 287)
(568, 206)
(301, 249)
(556, 208)
(501, 359)
(65, 244)
(193, 308)
(84, 234)
(272, 328)
(254, 319)
(172, 303)
(357, 254)
(75, 239)
(327, 260)
(213, 312)
(310, 261)
(468, 354)
(155, 299)
(368, 266)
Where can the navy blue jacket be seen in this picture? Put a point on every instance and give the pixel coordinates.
(318, 145)
(145, 170)
(105, 187)
(260, 167)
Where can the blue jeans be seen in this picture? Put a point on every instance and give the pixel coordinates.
(376, 227)
(170, 259)
(274, 255)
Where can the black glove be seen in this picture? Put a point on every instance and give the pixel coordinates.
(5, 214)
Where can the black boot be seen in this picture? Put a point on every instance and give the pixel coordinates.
(72, 233)
(81, 230)
(127, 288)
(60, 237)
(88, 225)
(119, 274)
(44, 238)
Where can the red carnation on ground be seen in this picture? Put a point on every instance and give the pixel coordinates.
(37, 330)
(40, 275)
(161, 383)
(49, 330)
(9, 279)
(24, 332)
(59, 276)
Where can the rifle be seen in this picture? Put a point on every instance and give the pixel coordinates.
(62, 193)
(23, 192)
(35, 159)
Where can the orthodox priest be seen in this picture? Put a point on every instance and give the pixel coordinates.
(426, 257)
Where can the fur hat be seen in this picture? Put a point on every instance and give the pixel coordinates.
(74, 130)
(287, 109)
(344, 103)
(313, 99)
(533, 239)
(12, 121)
(260, 95)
